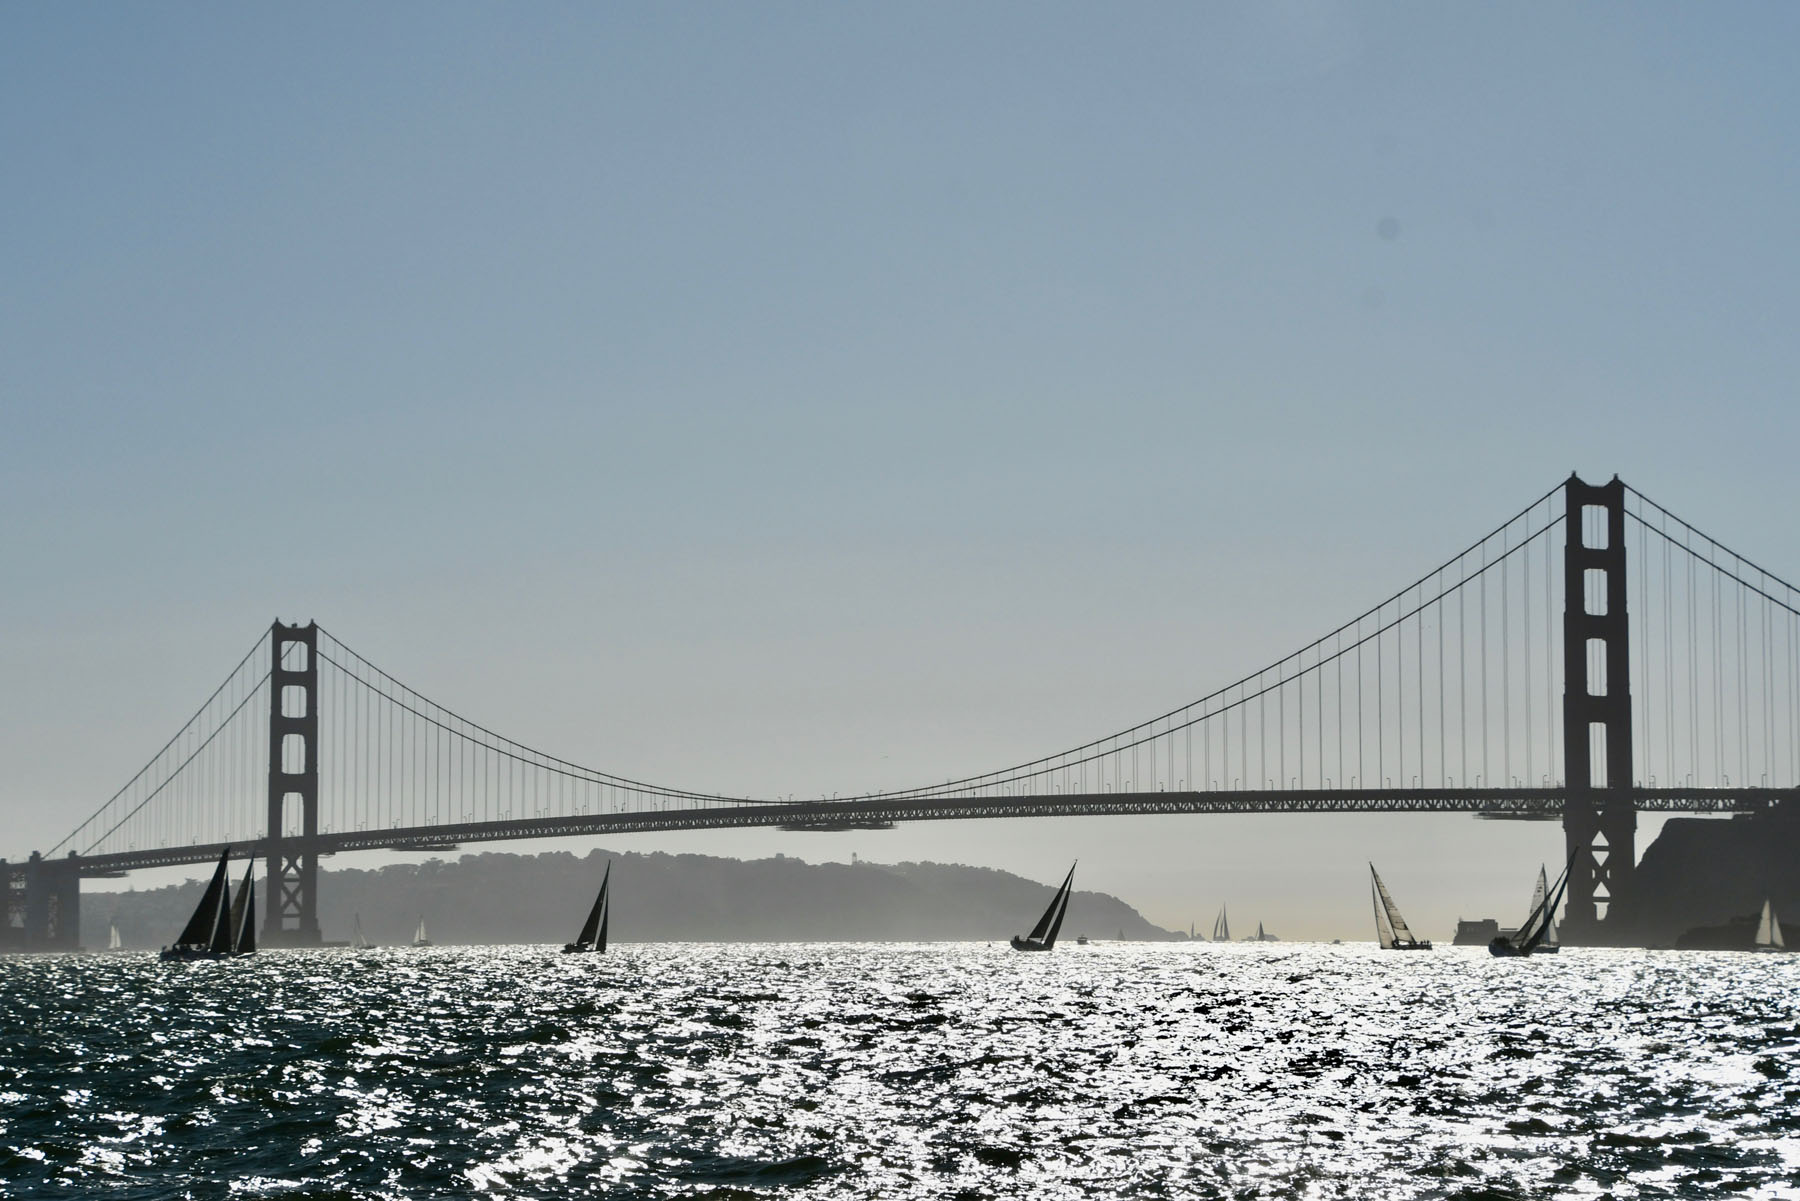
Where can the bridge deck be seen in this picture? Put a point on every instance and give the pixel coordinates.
(1540, 804)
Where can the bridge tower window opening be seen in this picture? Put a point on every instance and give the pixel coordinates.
(1597, 755)
(293, 815)
(1597, 527)
(1596, 660)
(293, 753)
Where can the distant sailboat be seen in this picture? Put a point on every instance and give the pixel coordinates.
(593, 931)
(357, 940)
(208, 933)
(1539, 923)
(1221, 927)
(419, 936)
(1768, 930)
(112, 939)
(1260, 936)
(1391, 930)
(1043, 935)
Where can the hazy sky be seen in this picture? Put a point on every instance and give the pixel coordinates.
(819, 398)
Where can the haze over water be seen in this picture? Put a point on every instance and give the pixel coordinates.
(946, 1070)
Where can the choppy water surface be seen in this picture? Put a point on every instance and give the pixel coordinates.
(902, 1071)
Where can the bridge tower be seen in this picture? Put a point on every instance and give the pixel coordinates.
(291, 899)
(1599, 820)
(40, 904)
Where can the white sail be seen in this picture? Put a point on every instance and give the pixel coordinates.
(419, 935)
(1537, 898)
(112, 938)
(360, 942)
(1768, 930)
(1384, 932)
(1401, 932)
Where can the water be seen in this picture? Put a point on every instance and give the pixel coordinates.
(945, 1070)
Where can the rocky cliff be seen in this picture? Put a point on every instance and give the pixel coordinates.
(1703, 872)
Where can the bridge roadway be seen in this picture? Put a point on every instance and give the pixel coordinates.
(1529, 804)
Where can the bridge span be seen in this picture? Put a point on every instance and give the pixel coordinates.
(1535, 804)
(1666, 681)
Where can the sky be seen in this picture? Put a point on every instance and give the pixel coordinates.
(808, 399)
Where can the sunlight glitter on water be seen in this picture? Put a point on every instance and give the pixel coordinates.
(948, 1070)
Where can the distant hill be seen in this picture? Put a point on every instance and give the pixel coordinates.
(1704, 872)
(506, 898)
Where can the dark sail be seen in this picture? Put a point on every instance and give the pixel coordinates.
(1043, 935)
(605, 913)
(1061, 908)
(243, 914)
(223, 935)
(1053, 915)
(200, 927)
(591, 935)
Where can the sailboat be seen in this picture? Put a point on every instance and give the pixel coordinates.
(593, 931)
(1221, 927)
(1043, 935)
(211, 933)
(1390, 928)
(419, 937)
(1539, 923)
(112, 940)
(358, 942)
(1768, 930)
(1260, 936)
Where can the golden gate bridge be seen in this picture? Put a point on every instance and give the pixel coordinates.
(1592, 657)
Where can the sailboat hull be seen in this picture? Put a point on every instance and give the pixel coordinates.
(1026, 944)
(1505, 948)
(577, 948)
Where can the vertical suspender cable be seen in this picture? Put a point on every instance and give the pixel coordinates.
(1743, 681)
(1718, 685)
(1668, 627)
(1380, 702)
(1487, 773)
(1505, 666)
(1443, 745)
(1525, 657)
(1640, 695)
(1550, 638)
(1693, 649)
(1362, 779)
